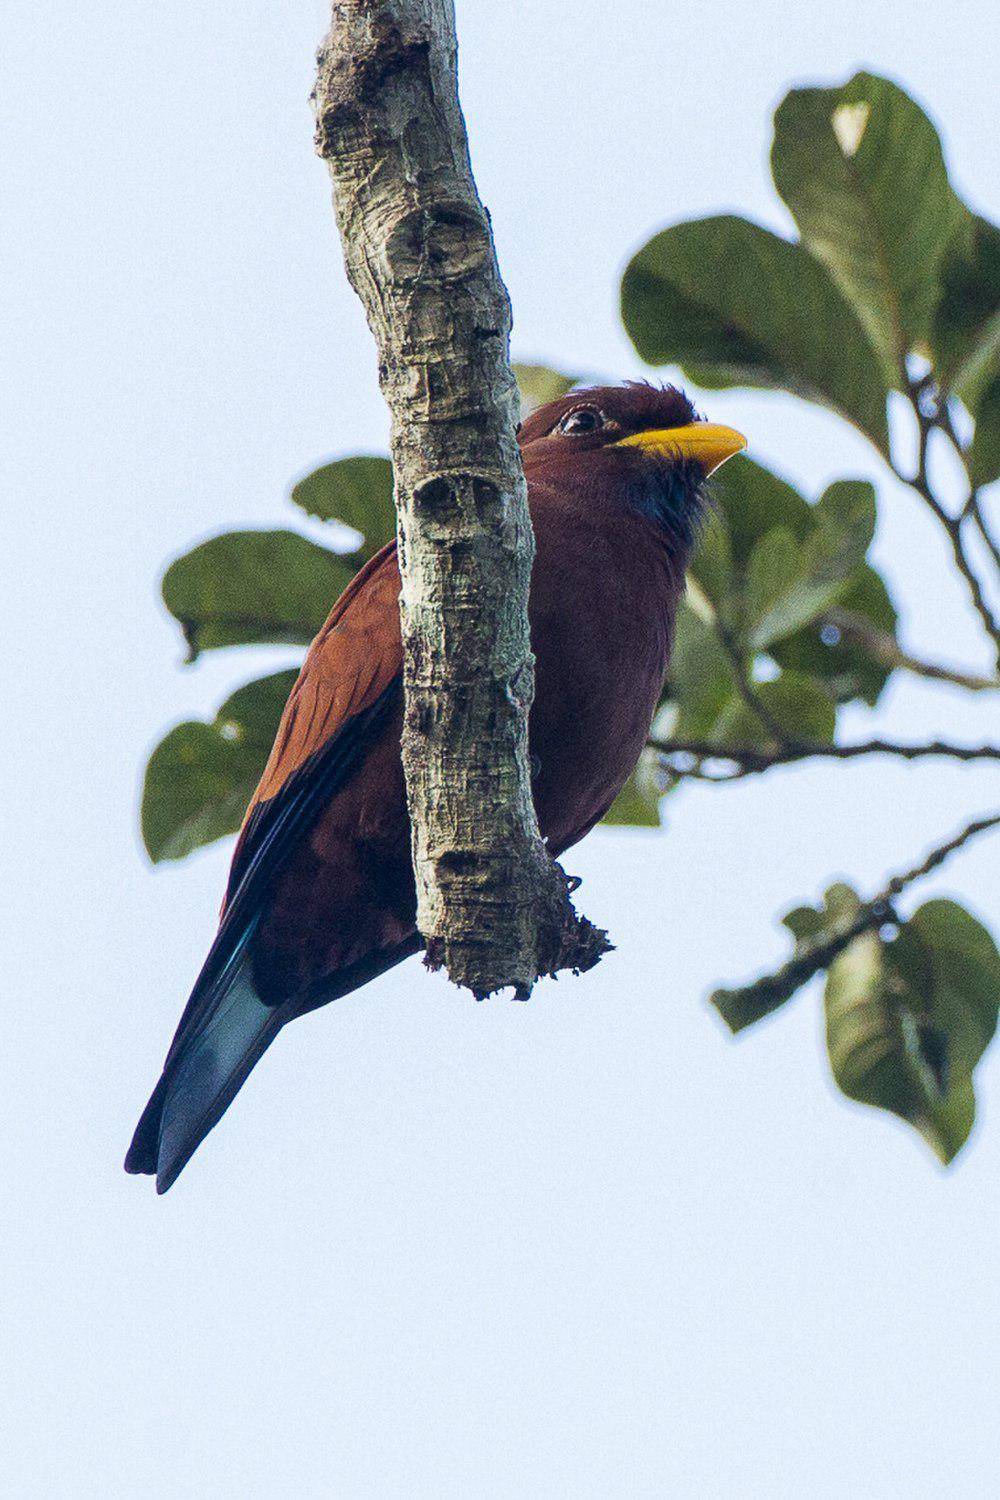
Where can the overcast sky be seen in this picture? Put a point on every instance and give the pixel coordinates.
(583, 1247)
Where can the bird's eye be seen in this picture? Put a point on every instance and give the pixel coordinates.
(583, 419)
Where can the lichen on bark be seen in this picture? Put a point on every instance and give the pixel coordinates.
(492, 905)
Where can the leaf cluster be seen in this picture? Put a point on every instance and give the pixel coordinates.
(889, 265)
(890, 289)
(910, 1005)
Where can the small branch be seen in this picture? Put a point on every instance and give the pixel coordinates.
(752, 759)
(491, 903)
(745, 686)
(937, 856)
(953, 528)
(972, 506)
(927, 411)
(696, 770)
(885, 648)
(742, 1007)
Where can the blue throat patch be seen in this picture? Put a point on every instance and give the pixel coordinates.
(674, 496)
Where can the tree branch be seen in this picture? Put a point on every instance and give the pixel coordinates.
(742, 1007)
(492, 905)
(752, 759)
(972, 506)
(744, 684)
(884, 648)
(926, 407)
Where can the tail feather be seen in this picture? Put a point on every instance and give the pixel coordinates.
(223, 1034)
(226, 1026)
(204, 1072)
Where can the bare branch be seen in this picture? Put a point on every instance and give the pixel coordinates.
(742, 1007)
(492, 905)
(927, 409)
(752, 759)
(884, 648)
(972, 506)
(745, 686)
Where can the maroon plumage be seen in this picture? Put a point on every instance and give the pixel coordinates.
(321, 895)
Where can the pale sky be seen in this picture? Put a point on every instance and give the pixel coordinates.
(583, 1247)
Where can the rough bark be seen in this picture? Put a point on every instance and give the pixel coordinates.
(492, 905)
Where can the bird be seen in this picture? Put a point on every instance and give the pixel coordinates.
(321, 897)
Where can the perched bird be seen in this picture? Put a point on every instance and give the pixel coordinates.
(321, 896)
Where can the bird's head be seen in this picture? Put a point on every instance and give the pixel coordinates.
(636, 445)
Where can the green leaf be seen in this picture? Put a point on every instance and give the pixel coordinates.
(735, 305)
(812, 924)
(811, 928)
(984, 459)
(638, 803)
(965, 336)
(201, 776)
(700, 679)
(767, 567)
(847, 508)
(846, 670)
(356, 491)
(751, 500)
(774, 571)
(908, 1020)
(539, 385)
(712, 564)
(873, 1057)
(805, 923)
(797, 704)
(862, 170)
(253, 587)
(947, 1131)
(805, 558)
(840, 905)
(788, 584)
(945, 955)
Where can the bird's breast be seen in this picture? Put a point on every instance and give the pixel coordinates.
(602, 606)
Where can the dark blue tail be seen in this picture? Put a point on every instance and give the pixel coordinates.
(226, 1026)
(204, 1071)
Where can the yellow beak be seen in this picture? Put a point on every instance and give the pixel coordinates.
(703, 442)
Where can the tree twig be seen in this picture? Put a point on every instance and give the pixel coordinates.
(492, 905)
(884, 648)
(972, 506)
(752, 759)
(928, 418)
(742, 1007)
(744, 685)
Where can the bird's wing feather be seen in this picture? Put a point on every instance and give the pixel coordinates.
(349, 685)
(354, 659)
